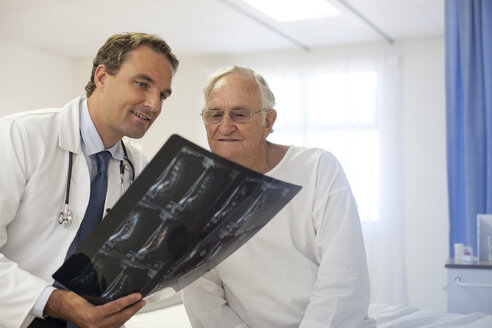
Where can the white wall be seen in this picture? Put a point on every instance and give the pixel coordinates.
(425, 185)
(34, 79)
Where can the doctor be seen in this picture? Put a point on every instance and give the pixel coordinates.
(48, 163)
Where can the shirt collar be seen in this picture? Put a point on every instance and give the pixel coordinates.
(91, 141)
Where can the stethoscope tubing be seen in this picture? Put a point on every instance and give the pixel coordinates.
(125, 158)
(69, 177)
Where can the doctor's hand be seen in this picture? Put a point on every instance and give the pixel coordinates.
(67, 305)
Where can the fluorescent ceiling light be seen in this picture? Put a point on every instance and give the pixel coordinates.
(292, 10)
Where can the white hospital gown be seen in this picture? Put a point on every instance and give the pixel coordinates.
(305, 268)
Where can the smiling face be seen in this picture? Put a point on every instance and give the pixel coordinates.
(242, 143)
(127, 103)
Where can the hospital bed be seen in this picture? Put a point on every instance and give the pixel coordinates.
(387, 316)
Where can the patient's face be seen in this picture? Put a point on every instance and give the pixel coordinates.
(241, 143)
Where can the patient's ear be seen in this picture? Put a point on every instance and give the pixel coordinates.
(270, 118)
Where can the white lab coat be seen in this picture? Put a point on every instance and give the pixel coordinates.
(34, 147)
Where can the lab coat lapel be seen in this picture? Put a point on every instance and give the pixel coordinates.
(81, 186)
(69, 140)
(69, 132)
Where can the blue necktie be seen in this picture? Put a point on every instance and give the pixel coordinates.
(95, 208)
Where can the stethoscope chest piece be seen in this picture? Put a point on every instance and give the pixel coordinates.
(65, 217)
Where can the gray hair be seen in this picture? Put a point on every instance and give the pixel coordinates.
(266, 95)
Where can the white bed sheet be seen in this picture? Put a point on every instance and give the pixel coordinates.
(387, 316)
(170, 317)
(395, 316)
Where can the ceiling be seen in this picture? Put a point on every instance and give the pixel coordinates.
(77, 28)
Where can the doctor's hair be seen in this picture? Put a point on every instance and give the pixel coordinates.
(115, 51)
(266, 95)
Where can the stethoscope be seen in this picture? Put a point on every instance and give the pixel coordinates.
(65, 217)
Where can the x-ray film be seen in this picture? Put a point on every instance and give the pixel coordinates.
(188, 211)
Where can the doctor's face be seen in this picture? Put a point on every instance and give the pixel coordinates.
(130, 101)
(243, 143)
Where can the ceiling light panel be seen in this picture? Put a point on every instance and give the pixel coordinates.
(294, 10)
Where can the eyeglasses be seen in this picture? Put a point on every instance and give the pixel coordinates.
(214, 116)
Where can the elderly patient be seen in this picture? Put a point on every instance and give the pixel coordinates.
(307, 266)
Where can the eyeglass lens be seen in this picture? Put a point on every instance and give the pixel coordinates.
(237, 115)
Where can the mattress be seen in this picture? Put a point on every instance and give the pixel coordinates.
(387, 316)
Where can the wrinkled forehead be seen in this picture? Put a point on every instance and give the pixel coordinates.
(234, 90)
